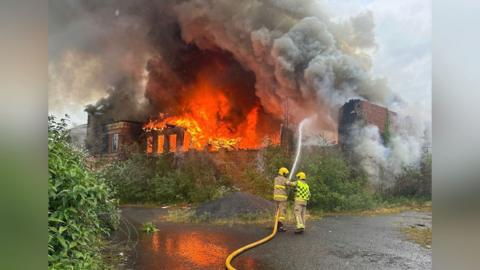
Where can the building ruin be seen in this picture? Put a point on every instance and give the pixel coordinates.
(362, 112)
(108, 139)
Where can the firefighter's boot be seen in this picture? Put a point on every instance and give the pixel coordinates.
(299, 231)
(280, 227)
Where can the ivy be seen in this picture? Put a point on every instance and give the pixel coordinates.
(387, 133)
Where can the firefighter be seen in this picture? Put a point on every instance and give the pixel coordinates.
(280, 196)
(302, 195)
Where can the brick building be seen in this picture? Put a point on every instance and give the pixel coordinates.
(362, 112)
(122, 134)
(170, 139)
(111, 138)
(105, 137)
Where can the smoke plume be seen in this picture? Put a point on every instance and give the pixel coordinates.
(266, 53)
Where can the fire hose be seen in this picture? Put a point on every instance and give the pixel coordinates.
(252, 245)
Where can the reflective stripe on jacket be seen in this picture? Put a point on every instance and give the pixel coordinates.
(279, 189)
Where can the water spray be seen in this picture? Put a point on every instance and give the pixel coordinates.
(299, 147)
(232, 255)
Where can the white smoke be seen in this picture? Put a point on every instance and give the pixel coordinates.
(411, 133)
(296, 50)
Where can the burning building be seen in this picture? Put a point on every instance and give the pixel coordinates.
(185, 133)
(115, 137)
(170, 138)
(212, 105)
(202, 74)
(162, 136)
(107, 137)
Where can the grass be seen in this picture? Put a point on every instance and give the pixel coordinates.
(384, 208)
(179, 215)
(419, 235)
(156, 205)
(188, 216)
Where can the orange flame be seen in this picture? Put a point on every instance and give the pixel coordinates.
(208, 117)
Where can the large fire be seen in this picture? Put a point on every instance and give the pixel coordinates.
(210, 119)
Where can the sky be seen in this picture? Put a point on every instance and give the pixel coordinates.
(403, 34)
(403, 55)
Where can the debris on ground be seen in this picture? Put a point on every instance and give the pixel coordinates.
(235, 204)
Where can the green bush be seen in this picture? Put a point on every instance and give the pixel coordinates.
(81, 210)
(165, 179)
(259, 180)
(258, 183)
(136, 178)
(203, 180)
(274, 158)
(333, 184)
(192, 177)
(415, 181)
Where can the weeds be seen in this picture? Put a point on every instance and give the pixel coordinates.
(143, 179)
(335, 183)
(149, 227)
(180, 215)
(381, 208)
(415, 181)
(189, 216)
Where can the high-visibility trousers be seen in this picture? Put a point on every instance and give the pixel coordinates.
(282, 207)
(300, 209)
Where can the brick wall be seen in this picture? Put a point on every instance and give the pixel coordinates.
(126, 132)
(375, 115)
(355, 111)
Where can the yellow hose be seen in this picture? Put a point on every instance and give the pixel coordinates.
(251, 245)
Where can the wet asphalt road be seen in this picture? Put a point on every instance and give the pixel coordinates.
(344, 242)
(349, 243)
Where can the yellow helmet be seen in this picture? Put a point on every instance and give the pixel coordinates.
(283, 171)
(301, 176)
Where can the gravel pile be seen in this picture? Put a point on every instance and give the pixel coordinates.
(235, 204)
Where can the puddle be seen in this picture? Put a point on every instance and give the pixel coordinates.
(193, 247)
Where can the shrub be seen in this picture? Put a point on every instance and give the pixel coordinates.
(136, 178)
(258, 183)
(333, 184)
(80, 208)
(274, 157)
(259, 180)
(203, 180)
(165, 179)
(415, 181)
